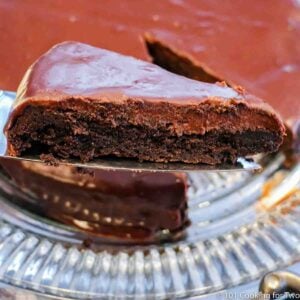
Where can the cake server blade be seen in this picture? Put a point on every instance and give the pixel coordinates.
(7, 99)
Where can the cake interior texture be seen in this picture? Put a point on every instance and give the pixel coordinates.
(87, 130)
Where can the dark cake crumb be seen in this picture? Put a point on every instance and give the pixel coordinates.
(49, 160)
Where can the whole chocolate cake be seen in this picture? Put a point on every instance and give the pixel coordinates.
(85, 102)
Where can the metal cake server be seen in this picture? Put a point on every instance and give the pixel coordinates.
(7, 99)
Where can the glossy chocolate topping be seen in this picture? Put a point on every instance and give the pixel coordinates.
(251, 43)
(76, 70)
(82, 73)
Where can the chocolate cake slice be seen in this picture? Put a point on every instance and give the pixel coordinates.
(78, 101)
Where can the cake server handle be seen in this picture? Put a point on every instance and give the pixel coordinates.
(7, 99)
(280, 285)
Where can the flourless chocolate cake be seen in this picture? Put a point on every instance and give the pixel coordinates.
(79, 101)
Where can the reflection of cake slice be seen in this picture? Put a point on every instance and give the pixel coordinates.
(117, 205)
(85, 102)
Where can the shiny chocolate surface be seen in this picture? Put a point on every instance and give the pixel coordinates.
(251, 43)
(80, 73)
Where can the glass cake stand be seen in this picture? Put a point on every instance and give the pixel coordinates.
(242, 226)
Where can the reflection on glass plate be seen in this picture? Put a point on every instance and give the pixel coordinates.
(242, 226)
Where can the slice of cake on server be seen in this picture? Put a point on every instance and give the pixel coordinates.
(79, 101)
